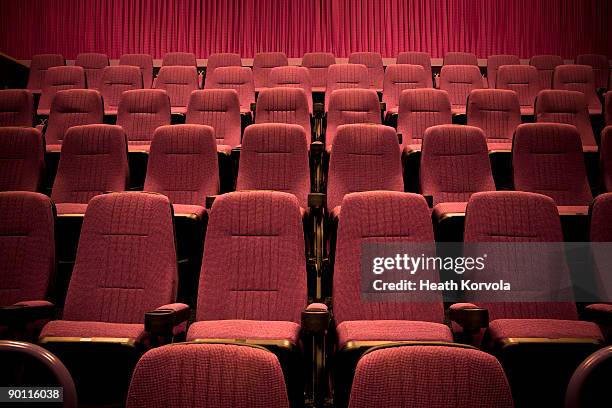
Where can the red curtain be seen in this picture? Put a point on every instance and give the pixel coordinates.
(485, 27)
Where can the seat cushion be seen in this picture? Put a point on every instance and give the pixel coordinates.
(391, 330)
(182, 210)
(70, 208)
(68, 328)
(542, 328)
(442, 210)
(244, 329)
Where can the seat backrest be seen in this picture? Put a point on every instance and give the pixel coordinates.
(292, 77)
(545, 64)
(218, 108)
(141, 111)
(577, 78)
(179, 59)
(178, 82)
(126, 259)
(379, 217)
(600, 65)
(283, 105)
(116, 80)
(420, 109)
(364, 157)
(373, 61)
(274, 157)
(208, 375)
(400, 77)
(476, 379)
(93, 63)
(496, 111)
(460, 58)
(16, 107)
(38, 68)
(27, 249)
(348, 106)
(22, 160)
(605, 158)
(459, 81)
(601, 217)
(72, 107)
(263, 64)
(237, 78)
(608, 108)
(58, 79)
(317, 64)
(455, 163)
(142, 61)
(415, 58)
(93, 161)
(343, 76)
(568, 107)
(496, 61)
(223, 59)
(522, 79)
(254, 259)
(183, 164)
(547, 158)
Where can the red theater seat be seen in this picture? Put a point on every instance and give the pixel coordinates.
(317, 64)
(420, 109)
(605, 158)
(140, 112)
(93, 64)
(348, 106)
(58, 79)
(399, 78)
(224, 59)
(178, 82)
(578, 78)
(116, 80)
(237, 78)
(39, 65)
(459, 81)
(497, 112)
(460, 58)
(284, 105)
(373, 61)
(496, 61)
(416, 58)
(522, 79)
(187, 59)
(292, 77)
(345, 76)
(608, 108)
(545, 64)
(16, 107)
(263, 64)
(600, 65)
(22, 160)
(142, 61)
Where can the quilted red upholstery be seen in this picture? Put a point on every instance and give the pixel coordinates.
(284, 105)
(605, 158)
(292, 77)
(38, 69)
(373, 61)
(27, 249)
(238, 78)
(183, 164)
(116, 80)
(429, 376)
(400, 77)
(317, 64)
(601, 216)
(178, 82)
(545, 64)
(578, 78)
(363, 158)
(57, 79)
(140, 112)
(16, 107)
(600, 65)
(348, 106)
(72, 107)
(496, 61)
(208, 376)
(93, 63)
(21, 159)
(496, 111)
(93, 161)
(179, 59)
(275, 157)
(142, 61)
(415, 58)
(569, 107)
(459, 81)
(420, 109)
(522, 79)
(224, 59)
(547, 158)
(460, 58)
(263, 64)
(220, 109)
(342, 76)
(455, 163)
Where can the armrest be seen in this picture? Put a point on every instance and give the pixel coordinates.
(600, 313)
(318, 109)
(470, 317)
(317, 200)
(164, 319)
(316, 318)
(400, 138)
(209, 201)
(25, 312)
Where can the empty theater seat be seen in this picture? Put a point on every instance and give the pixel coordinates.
(58, 79)
(179, 59)
(342, 76)
(208, 375)
(93, 64)
(238, 78)
(21, 159)
(545, 64)
(292, 77)
(496, 61)
(459, 81)
(348, 106)
(400, 77)
(116, 80)
(16, 108)
(608, 108)
(140, 112)
(263, 64)
(601, 216)
(284, 105)
(420, 109)
(578, 78)
(522, 79)
(419, 375)
(460, 58)
(497, 112)
(142, 61)
(605, 158)
(373, 61)
(416, 58)
(224, 59)
(317, 64)
(600, 65)
(178, 82)
(39, 65)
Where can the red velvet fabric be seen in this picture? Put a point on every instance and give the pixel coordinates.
(263, 62)
(459, 81)
(21, 159)
(391, 330)
(244, 329)
(373, 61)
(16, 107)
(605, 161)
(284, 105)
(460, 58)
(578, 78)
(178, 82)
(142, 61)
(174, 58)
(420, 109)
(349, 106)
(93, 63)
(496, 111)
(545, 64)
(219, 109)
(317, 64)
(522, 79)
(601, 218)
(600, 65)
(342, 76)
(415, 58)
(39, 65)
(57, 79)
(496, 61)
(141, 111)
(116, 80)
(293, 77)
(222, 59)
(238, 78)
(400, 77)
(608, 107)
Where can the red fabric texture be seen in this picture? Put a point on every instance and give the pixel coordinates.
(496, 61)
(57, 79)
(208, 376)
(608, 107)
(429, 376)
(601, 217)
(578, 78)
(142, 61)
(401, 77)
(39, 65)
(420, 109)
(274, 157)
(116, 80)
(93, 63)
(263, 62)
(415, 58)
(16, 107)
(68, 328)
(547, 328)
(21, 159)
(460, 58)
(342, 76)
(237, 78)
(141, 111)
(600, 65)
(178, 82)
(222, 59)
(455, 163)
(70, 208)
(187, 59)
(183, 164)
(244, 329)
(27, 249)
(292, 77)
(72, 107)
(496, 111)
(218, 108)
(284, 105)
(605, 158)
(373, 61)
(570, 107)
(522, 79)
(459, 81)
(391, 330)
(350, 106)
(547, 158)
(545, 64)
(317, 64)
